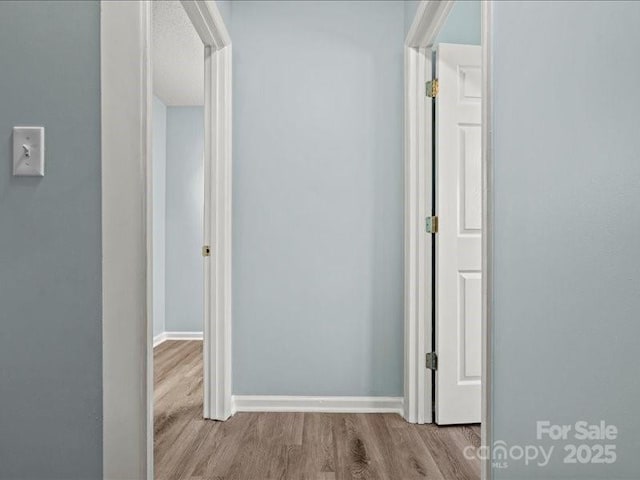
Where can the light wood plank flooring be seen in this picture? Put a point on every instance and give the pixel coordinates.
(314, 446)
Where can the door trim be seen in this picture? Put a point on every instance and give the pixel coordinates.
(429, 19)
(125, 42)
(417, 244)
(487, 235)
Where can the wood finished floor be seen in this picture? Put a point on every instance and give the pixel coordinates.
(297, 446)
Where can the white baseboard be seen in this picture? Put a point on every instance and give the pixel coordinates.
(277, 403)
(164, 336)
(158, 339)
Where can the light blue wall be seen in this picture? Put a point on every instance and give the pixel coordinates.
(410, 8)
(463, 25)
(318, 198)
(567, 227)
(225, 10)
(50, 286)
(159, 155)
(184, 221)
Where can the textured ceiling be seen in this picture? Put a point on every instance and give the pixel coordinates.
(178, 56)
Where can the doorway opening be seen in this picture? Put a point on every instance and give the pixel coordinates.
(447, 242)
(178, 188)
(128, 246)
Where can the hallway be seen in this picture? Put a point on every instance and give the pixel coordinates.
(322, 446)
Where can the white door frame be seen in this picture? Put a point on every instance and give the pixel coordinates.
(217, 199)
(126, 94)
(429, 19)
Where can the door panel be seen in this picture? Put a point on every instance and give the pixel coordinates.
(458, 244)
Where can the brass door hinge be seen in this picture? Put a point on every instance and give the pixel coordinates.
(432, 361)
(432, 88)
(431, 224)
(206, 251)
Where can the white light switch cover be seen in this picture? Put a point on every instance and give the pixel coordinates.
(28, 151)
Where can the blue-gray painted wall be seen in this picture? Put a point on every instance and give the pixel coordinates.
(318, 198)
(225, 10)
(184, 293)
(463, 25)
(159, 173)
(50, 247)
(567, 228)
(410, 8)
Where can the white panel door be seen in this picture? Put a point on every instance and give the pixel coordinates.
(458, 277)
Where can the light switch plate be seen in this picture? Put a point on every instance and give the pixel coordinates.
(28, 151)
